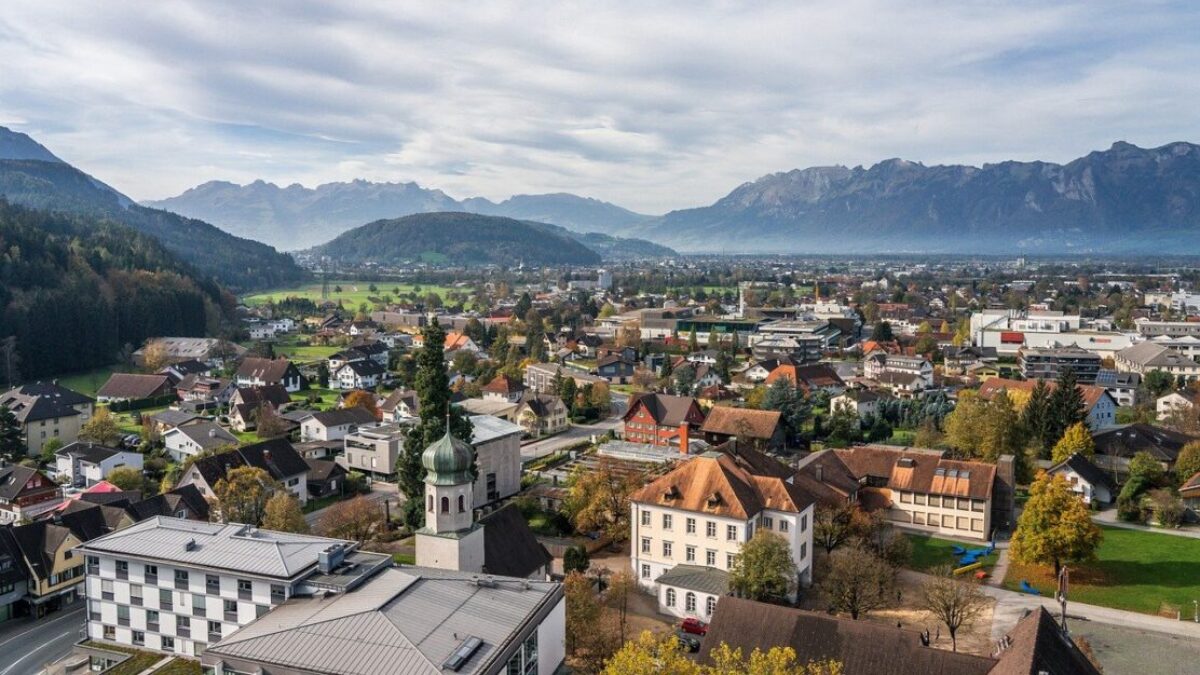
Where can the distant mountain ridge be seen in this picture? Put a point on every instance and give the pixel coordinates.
(1122, 200)
(31, 176)
(295, 217)
(457, 238)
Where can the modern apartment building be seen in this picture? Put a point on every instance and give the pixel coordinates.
(178, 586)
(1046, 363)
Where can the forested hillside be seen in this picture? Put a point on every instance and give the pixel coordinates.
(75, 291)
(235, 262)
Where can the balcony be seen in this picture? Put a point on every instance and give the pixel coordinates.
(135, 600)
(181, 584)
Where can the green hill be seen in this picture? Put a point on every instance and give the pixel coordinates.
(457, 239)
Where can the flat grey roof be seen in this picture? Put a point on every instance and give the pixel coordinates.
(233, 546)
(403, 620)
(487, 428)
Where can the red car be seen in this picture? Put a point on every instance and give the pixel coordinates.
(694, 626)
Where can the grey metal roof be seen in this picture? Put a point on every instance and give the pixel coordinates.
(207, 434)
(406, 620)
(232, 546)
(488, 428)
(696, 578)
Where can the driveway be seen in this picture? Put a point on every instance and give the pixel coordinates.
(566, 439)
(380, 492)
(28, 645)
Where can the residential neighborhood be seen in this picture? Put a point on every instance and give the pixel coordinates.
(672, 463)
(651, 338)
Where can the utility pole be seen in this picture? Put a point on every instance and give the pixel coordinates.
(1063, 581)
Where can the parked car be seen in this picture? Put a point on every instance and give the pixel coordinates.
(694, 626)
(687, 641)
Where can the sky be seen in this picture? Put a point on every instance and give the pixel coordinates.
(651, 105)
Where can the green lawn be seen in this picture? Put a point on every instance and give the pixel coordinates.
(404, 558)
(180, 666)
(140, 660)
(88, 381)
(1134, 570)
(930, 552)
(353, 293)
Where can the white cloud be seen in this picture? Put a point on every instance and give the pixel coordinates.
(651, 105)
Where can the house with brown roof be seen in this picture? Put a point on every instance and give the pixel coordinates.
(662, 420)
(1100, 405)
(1035, 646)
(808, 378)
(502, 388)
(134, 387)
(1189, 492)
(921, 490)
(688, 525)
(25, 493)
(259, 372)
(762, 428)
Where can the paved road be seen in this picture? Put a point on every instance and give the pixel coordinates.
(380, 492)
(1109, 517)
(27, 645)
(567, 438)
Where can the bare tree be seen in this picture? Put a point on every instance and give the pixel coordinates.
(833, 526)
(857, 580)
(955, 602)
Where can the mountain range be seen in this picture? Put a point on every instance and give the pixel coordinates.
(295, 217)
(1122, 200)
(32, 176)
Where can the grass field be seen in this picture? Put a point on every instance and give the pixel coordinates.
(1134, 570)
(930, 552)
(289, 345)
(353, 293)
(88, 381)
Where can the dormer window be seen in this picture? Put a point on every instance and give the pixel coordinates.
(714, 499)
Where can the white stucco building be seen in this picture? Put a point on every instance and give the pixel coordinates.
(688, 526)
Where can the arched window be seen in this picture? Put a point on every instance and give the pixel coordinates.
(689, 602)
(711, 605)
(462, 503)
(670, 597)
(429, 500)
(445, 505)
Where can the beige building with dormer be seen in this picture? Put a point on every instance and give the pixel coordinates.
(688, 526)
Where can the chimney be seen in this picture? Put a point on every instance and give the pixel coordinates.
(266, 455)
(820, 474)
(683, 438)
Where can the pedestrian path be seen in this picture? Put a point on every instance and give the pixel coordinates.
(1109, 518)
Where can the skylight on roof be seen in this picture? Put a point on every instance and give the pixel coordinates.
(461, 655)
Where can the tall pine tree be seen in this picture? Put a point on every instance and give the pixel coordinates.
(1066, 405)
(433, 395)
(1036, 419)
(10, 434)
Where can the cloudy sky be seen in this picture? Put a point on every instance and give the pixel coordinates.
(650, 105)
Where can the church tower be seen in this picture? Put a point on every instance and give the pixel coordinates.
(451, 539)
